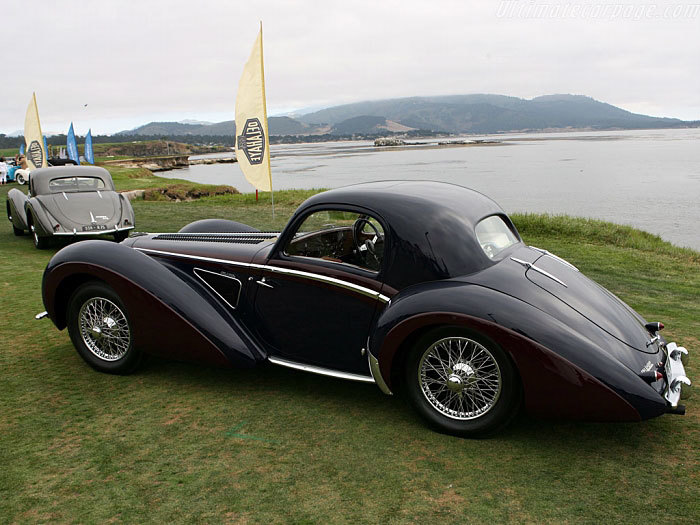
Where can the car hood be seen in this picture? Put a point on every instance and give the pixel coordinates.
(551, 284)
(222, 247)
(83, 207)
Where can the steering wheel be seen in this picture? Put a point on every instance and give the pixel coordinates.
(368, 245)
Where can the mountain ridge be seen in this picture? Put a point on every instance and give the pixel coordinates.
(472, 113)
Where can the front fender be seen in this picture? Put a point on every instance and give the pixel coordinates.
(563, 372)
(16, 201)
(170, 317)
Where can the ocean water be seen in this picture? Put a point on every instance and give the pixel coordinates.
(648, 179)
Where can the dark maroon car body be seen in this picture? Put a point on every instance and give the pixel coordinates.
(237, 299)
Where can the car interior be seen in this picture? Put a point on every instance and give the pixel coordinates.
(342, 237)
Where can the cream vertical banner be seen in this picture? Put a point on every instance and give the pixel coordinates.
(252, 138)
(35, 151)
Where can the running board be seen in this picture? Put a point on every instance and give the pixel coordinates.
(320, 371)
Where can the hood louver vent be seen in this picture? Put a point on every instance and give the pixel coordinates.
(236, 238)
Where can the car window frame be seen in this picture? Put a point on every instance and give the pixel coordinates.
(292, 228)
(105, 186)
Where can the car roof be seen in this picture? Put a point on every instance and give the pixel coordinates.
(432, 225)
(390, 195)
(40, 177)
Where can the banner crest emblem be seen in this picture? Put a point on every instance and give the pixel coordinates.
(36, 154)
(252, 141)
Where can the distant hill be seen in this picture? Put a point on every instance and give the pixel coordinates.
(278, 126)
(479, 113)
(483, 113)
(366, 125)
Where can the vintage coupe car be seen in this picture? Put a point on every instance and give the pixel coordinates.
(420, 286)
(69, 201)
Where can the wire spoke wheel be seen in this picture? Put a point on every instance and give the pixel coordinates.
(104, 329)
(460, 378)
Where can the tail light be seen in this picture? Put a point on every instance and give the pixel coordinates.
(654, 327)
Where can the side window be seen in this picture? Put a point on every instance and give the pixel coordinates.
(340, 236)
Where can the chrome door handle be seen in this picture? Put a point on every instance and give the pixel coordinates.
(263, 282)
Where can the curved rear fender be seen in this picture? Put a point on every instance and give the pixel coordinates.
(170, 317)
(16, 200)
(43, 220)
(127, 210)
(563, 373)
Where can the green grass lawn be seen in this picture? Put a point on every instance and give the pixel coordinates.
(183, 442)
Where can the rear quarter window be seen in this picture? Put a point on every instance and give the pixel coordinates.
(494, 235)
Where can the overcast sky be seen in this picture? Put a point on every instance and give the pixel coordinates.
(133, 62)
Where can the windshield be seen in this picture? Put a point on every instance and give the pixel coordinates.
(494, 235)
(76, 184)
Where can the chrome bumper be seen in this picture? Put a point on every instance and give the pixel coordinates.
(677, 383)
(92, 232)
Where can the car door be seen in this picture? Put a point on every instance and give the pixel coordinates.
(321, 289)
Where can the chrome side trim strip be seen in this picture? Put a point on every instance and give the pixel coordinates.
(550, 254)
(276, 269)
(531, 266)
(196, 271)
(201, 258)
(319, 370)
(377, 374)
(332, 280)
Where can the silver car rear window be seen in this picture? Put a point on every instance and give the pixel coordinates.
(76, 184)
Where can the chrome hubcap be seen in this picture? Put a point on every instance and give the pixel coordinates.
(104, 329)
(460, 378)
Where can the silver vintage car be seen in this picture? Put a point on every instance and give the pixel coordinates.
(69, 201)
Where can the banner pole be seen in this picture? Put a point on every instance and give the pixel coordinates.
(267, 128)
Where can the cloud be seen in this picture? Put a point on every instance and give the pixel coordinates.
(132, 62)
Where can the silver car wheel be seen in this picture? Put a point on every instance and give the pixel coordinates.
(104, 329)
(460, 378)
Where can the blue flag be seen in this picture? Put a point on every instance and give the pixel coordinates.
(21, 149)
(72, 146)
(46, 146)
(88, 148)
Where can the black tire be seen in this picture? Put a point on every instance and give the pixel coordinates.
(108, 346)
(120, 236)
(40, 242)
(475, 397)
(15, 230)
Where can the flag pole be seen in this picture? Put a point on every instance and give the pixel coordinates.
(267, 138)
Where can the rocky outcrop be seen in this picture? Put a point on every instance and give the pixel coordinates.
(226, 160)
(133, 194)
(187, 192)
(152, 163)
(381, 142)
